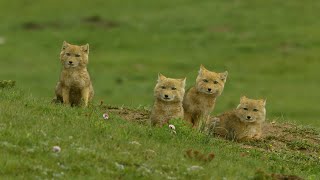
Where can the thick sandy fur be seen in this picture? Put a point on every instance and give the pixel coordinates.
(74, 86)
(243, 123)
(168, 95)
(199, 101)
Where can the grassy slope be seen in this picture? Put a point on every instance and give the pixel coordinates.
(270, 48)
(93, 147)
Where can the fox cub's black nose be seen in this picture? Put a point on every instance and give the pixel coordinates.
(70, 62)
(209, 89)
(166, 96)
(248, 117)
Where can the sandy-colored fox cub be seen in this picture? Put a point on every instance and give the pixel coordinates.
(199, 100)
(168, 95)
(74, 86)
(243, 123)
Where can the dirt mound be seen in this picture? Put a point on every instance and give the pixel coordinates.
(137, 115)
(276, 136)
(287, 137)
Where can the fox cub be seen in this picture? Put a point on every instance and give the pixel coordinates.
(168, 95)
(74, 86)
(199, 101)
(243, 123)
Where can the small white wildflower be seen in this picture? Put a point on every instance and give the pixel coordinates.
(56, 149)
(105, 116)
(171, 126)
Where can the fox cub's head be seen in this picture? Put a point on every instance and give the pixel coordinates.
(168, 89)
(250, 110)
(209, 82)
(72, 56)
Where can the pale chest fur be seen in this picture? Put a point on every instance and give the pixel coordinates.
(245, 130)
(167, 111)
(75, 79)
(200, 102)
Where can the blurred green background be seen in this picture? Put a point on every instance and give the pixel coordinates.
(270, 48)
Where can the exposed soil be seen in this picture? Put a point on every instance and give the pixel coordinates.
(288, 137)
(276, 136)
(137, 115)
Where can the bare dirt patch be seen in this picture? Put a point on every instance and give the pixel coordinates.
(276, 136)
(287, 137)
(137, 115)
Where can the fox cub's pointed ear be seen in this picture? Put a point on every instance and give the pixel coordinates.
(161, 77)
(243, 98)
(263, 101)
(184, 82)
(64, 45)
(85, 48)
(223, 76)
(202, 68)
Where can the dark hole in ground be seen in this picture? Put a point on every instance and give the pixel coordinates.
(98, 21)
(39, 26)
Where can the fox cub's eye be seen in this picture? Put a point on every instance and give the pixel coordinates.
(163, 87)
(205, 80)
(246, 109)
(255, 110)
(215, 82)
(77, 55)
(68, 54)
(173, 88)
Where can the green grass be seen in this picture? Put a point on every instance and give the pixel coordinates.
(115, 148)
(270, 49)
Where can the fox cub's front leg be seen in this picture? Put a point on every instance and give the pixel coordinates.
(85, 95)
(66, 95)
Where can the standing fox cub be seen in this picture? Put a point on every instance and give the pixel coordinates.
(168, 103)
(243, 123)
(200, 99)
(74, 86)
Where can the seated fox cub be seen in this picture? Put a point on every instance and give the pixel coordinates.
(168, 95)
(74, 86)
(243, 123)
(199, 100)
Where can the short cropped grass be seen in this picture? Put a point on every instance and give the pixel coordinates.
(270, 49)
(92, 147)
